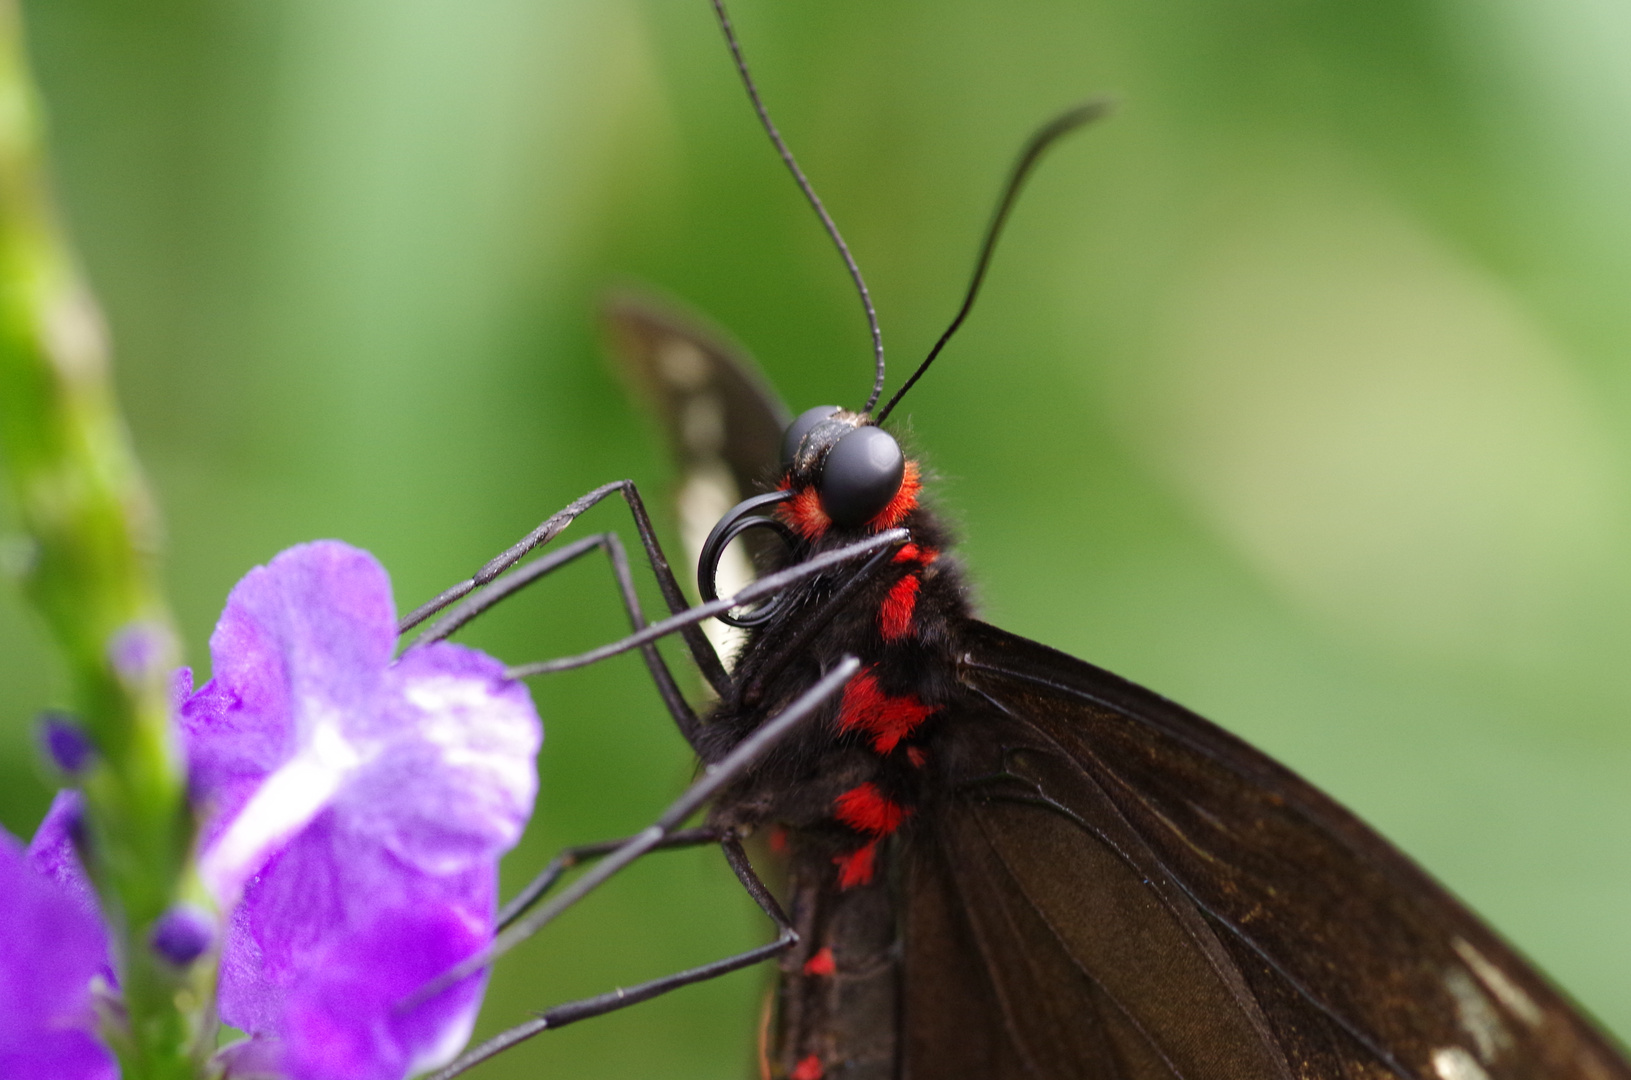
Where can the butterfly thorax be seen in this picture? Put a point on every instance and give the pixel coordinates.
(852, 772)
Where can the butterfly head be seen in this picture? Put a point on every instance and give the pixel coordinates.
(845, 472)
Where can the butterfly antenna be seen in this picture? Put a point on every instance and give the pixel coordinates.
(809, 194)
(1045, 136)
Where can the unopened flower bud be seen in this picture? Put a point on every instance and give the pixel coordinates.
(183, 934)
(65, 741)
(141, 650)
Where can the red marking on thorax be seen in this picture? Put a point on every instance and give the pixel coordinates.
(822, 963)
(900, 602)
(804, 514)
(866, 809)
(923, 556)
(808, 1069)
(904, 502)
(886, 718)
(898, 607)
(778, 839)
(857, 867)
(916, 756)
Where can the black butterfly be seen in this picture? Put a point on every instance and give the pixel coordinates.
(1001, 861)
(1006, 862)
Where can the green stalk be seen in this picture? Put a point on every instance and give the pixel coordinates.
(92, 574)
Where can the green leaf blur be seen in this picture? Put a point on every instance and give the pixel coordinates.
(1300, 391)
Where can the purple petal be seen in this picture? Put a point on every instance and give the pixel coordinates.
(360, 806)
(257, 1058)
(346, 1022)
(313, 629)
(181, 688)
(455, 778)
(308, 934)
(298, 654)
(53, 851)
(59, 1055)
(50, 950)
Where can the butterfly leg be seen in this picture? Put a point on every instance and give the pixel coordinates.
(550, 875)
(506, 585)
(701, 649)
(714, 778)
(768, 585)
(622, 997)
(813, 623)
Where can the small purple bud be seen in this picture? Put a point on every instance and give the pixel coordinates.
(138, 650)
(183, 934)
(65, 741)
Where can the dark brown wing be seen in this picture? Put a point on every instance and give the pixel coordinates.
(1122, 889)
(720, 418)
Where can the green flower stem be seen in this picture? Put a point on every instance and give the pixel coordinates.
(92, 574)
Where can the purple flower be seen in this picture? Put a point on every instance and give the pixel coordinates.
(52, 949)
(357, 810)
(354, 812)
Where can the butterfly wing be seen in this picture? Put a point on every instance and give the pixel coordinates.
(1122, 889)
(719, 416)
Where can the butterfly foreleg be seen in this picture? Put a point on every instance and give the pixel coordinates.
(508, 584)
(571, 857)
(701, 649)
(767, 586)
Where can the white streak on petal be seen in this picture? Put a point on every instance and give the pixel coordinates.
(475, 730)
(457, 780)
(283, 805)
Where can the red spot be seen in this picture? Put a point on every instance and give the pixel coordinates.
(886, 718)
(822, 963)
(866, 809)
(778, 839)
(923, 556)
(856, 868)
(895, 615)
(804, 514)
(808, 1069)
(916, 756)
(904, 502)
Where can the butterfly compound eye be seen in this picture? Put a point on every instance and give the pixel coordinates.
(801, 427)
(863, 471)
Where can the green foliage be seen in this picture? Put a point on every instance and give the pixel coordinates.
(88, 547)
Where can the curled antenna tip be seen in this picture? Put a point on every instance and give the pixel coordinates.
(1044, 137)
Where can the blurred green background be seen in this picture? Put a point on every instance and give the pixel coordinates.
(1301, 390)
